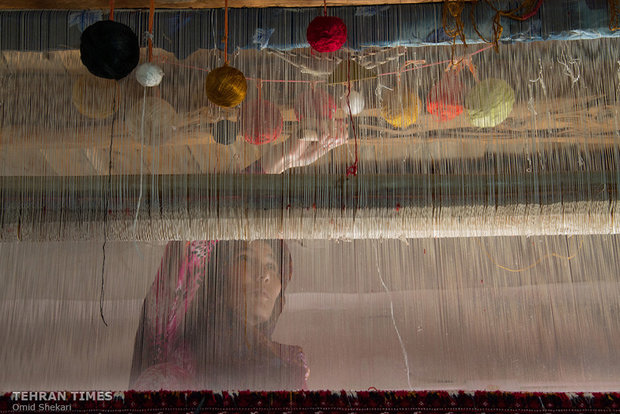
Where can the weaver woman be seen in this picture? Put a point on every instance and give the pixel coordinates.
(207, 319)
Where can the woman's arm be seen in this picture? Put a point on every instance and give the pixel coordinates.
(299, 153)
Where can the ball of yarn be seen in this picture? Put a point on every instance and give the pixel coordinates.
(226, 86)
(445, 99)
(159, 124)
(400, 108)
(225, 132)
(149, 74)
(356, 102)
(316, 104)
(261, 122)
(95, 97)
(109, 49)
(326, 33)
(489, 103)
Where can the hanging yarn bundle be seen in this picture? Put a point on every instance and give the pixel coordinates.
(315, 103)
(326, 33)
(400, 108)
(261, 122)
(149, 75)
(109, 49)
(489, 103)
(445, 99)
(159, 123)
(226, 86)
(95, 98)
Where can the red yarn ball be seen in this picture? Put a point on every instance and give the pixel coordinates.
(326, 33)
(316, 104)
(445, 99)
(261, 122)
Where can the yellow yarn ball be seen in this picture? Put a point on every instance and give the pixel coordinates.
(226, 86)
(95, 97)
(400, 108)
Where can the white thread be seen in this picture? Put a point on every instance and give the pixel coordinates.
(400, 339)
(568, 70)
(135, 219)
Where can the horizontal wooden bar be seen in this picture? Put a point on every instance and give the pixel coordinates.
(195, 4)
(307, 206)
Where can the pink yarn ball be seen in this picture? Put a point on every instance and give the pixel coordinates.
(261, 122)
(316, 104)
(326, 33)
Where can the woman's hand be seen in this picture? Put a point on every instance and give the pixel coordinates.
(297, 152)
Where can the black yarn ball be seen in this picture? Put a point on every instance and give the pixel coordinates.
(109, 49)
(225, 132)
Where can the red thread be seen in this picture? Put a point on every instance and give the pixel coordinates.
(112, 10)
(352, 169)
(530, 14)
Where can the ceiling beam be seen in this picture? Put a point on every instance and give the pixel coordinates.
(184, 4)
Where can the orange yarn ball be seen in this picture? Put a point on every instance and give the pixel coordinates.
(226, 86)
(445, 99)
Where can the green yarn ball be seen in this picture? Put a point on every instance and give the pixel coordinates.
(489, 103)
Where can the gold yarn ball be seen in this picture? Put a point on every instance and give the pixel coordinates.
(160, 120)
(226, 86)
(95, 97)
(400, 108)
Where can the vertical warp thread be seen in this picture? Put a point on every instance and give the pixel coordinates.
(105, 218)
(400, 339)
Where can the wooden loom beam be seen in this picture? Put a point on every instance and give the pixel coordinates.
(191, 4)
(291, 206)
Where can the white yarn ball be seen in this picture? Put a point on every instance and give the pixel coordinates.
(149, 74)
(356, 100)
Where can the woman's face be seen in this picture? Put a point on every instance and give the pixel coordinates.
(254, 282)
